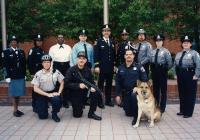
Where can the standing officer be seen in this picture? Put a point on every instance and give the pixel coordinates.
(104, 58)
(187, 65)
(78, 89)
(82, 45)
(44, 83)
(125, 80)
(143, 50)
(60, 54)
(161, 61)
(123, 45)
(15, 63)
(34, 62)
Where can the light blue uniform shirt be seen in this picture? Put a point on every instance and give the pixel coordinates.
(80, 47)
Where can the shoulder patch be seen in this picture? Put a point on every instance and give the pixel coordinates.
(30, 52)
(142, 69)
(2, 55)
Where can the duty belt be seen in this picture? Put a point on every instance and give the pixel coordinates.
(182, 69)
(61, 63)
(159, 65)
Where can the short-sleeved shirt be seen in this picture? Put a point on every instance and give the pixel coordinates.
(47, 80)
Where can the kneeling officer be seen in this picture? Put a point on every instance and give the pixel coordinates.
(44, 83)
(79, 89)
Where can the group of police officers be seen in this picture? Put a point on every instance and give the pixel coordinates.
(59, 77)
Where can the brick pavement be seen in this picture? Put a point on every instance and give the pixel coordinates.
(114, 126)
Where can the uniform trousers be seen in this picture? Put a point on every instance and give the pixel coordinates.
(42, 105)
(159, 78)
(63, 67)
(130, 104)
(106, 77)
(187, 88)
(78, 101)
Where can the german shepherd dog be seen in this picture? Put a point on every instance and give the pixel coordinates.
(146, 103)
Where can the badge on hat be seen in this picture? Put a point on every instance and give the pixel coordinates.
(141, 31)
(186, 37)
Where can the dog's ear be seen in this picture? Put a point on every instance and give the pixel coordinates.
(149, 83)
(138, 82)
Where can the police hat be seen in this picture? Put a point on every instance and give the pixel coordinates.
(106, 27)
(81, 54)
(12, 38)
(38, 37)
(159, 37)
(186, 38)
(141, 31)
(124, 32)
(46, 57)
(82, 32)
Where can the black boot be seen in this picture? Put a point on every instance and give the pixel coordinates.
(55, 117)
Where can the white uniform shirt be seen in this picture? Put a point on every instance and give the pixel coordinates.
(60, 54)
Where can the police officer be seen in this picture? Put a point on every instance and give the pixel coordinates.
(123, 45)
(82, 45)
(187, 66)
(161, 61)
(125, 80)
(78, 89)
(15, 63)
(143, 50)
(60, 54)
(35, 54)
(104, 58)
(34, 62)
(44, 83)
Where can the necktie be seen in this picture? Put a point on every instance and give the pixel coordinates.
(85, 50)
(181, 59)
(107, 42)
(156, 57)
(137, 52)
(61, 46)
(16, 52)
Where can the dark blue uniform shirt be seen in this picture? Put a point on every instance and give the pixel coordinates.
(126, 77)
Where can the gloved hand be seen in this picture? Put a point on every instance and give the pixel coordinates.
(8, 80)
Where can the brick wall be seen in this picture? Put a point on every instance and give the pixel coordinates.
(5, 100)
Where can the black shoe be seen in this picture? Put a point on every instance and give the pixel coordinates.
(134, 121)
(101, 106)
(121, 105)
(179, 113)
(55, 118)
(111, 104)
(16, 114)
(20, 113)
(186, 116)
(94, 116)
(66, 105)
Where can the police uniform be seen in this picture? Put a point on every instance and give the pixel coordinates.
(161, 61)
(82, 46)
(105, 58)
(34, 63)
(77, 95)
(123, 45)
(34, 56)
(125, 80)
(187, 65)
(14, 61)
(47, 83)
(143, 50)
(60, 54)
